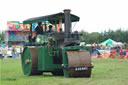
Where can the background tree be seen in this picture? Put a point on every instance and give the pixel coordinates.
(2, 36)
(95, 37)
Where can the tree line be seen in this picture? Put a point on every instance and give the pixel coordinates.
(2, 36)
(118, 35)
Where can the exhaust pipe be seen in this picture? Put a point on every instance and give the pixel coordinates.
(67, 22)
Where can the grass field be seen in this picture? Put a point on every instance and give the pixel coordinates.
(105, 72)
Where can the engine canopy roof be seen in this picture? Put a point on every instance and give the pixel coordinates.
(53, 19)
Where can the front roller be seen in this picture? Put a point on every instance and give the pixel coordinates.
(30, 61)
(79, 64)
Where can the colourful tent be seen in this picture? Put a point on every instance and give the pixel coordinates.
(109, 42)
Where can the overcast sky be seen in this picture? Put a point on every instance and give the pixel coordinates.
(95, 15)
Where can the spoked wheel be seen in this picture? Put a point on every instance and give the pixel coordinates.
(30, 61)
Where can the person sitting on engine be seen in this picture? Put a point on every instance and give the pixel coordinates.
(50, 29)
(39, 29)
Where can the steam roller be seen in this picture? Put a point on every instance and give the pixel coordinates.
(58, 52)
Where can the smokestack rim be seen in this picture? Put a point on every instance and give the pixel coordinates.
(67, 10)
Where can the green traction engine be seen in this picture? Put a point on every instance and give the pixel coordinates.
(58, 52)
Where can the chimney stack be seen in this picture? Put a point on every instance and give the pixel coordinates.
(67, 22)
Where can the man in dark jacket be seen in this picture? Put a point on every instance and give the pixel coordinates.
(39, 29)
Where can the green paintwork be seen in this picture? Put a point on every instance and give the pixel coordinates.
(45, 59)
(26, 67)
(65, 58)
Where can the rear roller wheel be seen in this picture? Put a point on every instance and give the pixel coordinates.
(30, 61)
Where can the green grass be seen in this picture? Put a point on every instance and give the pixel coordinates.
(105, 72)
